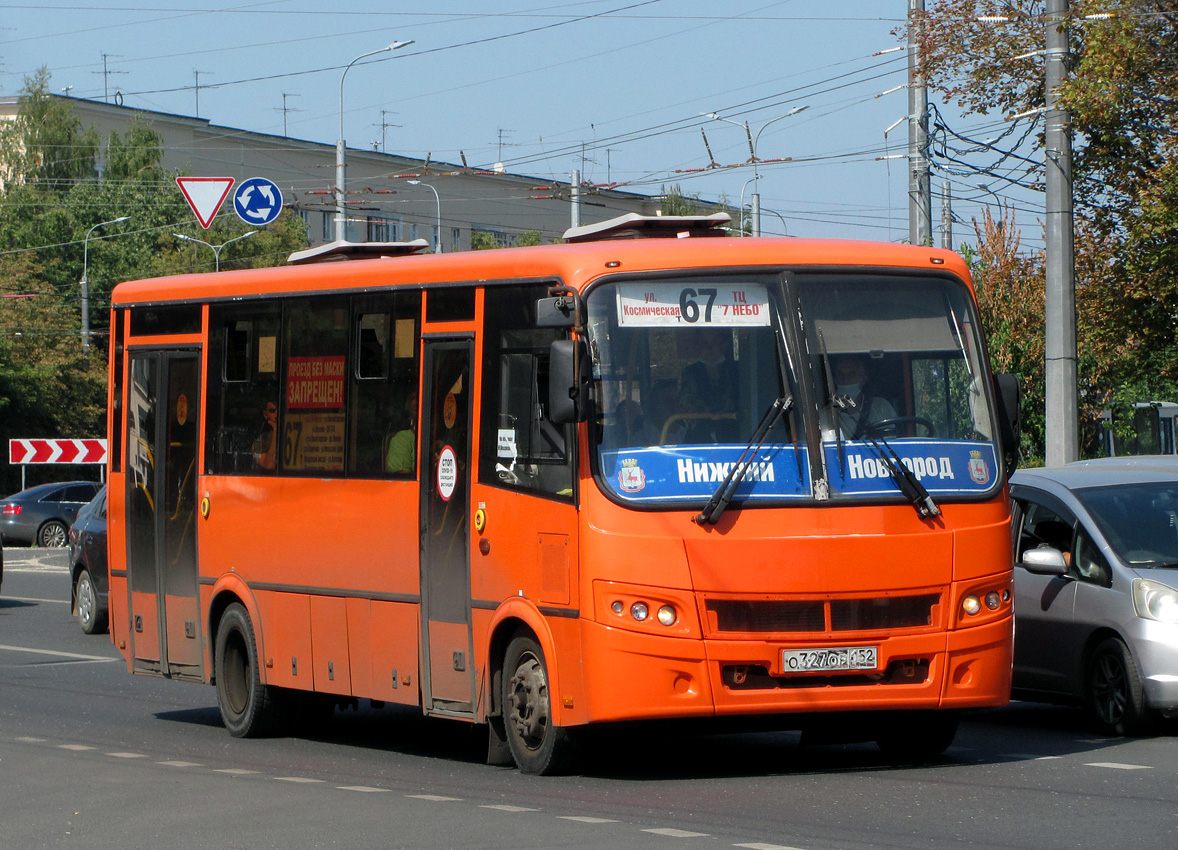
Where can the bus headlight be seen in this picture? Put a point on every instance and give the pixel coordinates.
(667, 615)
(639, 611)
(993, 600)
(971, 605)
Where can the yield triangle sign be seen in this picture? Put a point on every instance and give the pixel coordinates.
(205, 195)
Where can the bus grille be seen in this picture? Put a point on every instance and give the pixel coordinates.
(808, 615)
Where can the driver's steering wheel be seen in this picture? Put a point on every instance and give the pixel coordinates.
(886, 427)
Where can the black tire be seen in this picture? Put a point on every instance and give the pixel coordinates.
(53, 535)
(538, 746)
(912, 737)
(249, 709)
(92, 617)
(1116, 694)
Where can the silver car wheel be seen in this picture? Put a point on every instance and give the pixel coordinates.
(52, 535)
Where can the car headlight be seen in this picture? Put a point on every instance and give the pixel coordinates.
(1155, 601)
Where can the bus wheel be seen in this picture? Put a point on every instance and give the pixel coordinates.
(248, 708)
(538, 746)
(916, 736)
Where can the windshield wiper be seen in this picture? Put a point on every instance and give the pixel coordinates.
(723, 495)
(908, 483)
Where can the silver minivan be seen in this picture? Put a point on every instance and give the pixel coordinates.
(1096, 588)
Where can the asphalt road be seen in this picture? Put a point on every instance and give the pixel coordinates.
(92, 757)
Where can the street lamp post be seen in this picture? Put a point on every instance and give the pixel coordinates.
(86, 280)
(216, 248)
(341, 155)
(438, 226)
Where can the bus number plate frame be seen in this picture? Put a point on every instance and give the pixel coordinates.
(831, 659)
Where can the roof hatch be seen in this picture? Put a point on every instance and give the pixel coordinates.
(338, 251)
(635, 226)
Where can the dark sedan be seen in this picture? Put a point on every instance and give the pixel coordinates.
(42, 515)
(88, 576)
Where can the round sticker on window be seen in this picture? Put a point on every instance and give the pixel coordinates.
(450, 410)
(447, 473)
(182, 410)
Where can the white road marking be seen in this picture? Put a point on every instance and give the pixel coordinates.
(506, 808)
(676, 833)
(584, 819)
(296, 779)
(1027, 757)
(434, 798)
(756, 846)
(56, 653)
(236, 771)
(75, 747)
(180, 763)
(127, 755)
(31, 740)
(1118, 766)
(366, 789)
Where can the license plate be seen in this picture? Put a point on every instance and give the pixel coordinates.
(830, 658)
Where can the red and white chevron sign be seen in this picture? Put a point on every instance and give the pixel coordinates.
(57, 451)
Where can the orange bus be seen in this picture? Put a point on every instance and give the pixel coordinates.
(654, 472)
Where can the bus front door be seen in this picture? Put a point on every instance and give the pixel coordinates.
(448, 671)
(162, 416)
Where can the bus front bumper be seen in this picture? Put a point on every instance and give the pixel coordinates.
(632, 676)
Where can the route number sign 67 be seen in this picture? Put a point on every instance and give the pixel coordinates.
(647, 305)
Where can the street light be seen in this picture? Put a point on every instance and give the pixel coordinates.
(216, 248)
(438, 226)
(86, 280)
(341, 164)
(754, 159)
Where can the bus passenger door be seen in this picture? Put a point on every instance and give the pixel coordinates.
(162, 416)
(448, 671)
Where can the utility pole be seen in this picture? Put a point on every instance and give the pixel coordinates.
(947, 217)
(920, 216)
(575, 197)
(1061, 414)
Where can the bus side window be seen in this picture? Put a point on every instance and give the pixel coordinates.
(383, 404)
(242, 381)
(520, 448)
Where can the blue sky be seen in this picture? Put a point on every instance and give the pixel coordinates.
(619, 89)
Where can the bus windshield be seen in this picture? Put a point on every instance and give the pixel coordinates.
(879, 371)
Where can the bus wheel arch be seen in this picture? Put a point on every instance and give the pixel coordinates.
(249, 708)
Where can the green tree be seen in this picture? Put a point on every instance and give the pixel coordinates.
(49, 202)
(1123, 82)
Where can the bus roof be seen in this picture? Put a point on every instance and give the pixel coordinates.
(574, 264)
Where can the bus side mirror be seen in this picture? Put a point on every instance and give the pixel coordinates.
(557, 312)
(1007, 398)
(569, 381)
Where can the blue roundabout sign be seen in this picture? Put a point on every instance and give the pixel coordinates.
(257, 201)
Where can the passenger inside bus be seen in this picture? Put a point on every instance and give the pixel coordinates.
(265, 443)
(401, 448)
(707, 389)
(852, 382)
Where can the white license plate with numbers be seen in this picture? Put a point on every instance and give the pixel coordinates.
(824, 659)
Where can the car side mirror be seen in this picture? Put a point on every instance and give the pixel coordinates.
(1044, 561)
(569, 381)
